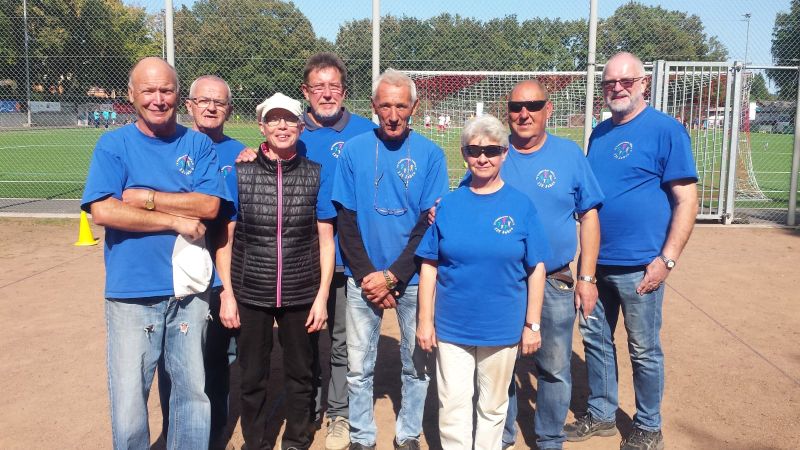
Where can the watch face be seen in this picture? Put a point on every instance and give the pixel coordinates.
(670, 264)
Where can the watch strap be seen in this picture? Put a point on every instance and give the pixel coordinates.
(587, 278)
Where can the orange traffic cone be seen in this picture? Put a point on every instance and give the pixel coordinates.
(85, 233)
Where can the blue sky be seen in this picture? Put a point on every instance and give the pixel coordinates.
(723, 18)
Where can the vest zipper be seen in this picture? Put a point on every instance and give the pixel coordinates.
(280, 231)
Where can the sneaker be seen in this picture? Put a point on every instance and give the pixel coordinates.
(586, 426)
(408, 444)
(358, 446)
(641, 439)
(337, 437)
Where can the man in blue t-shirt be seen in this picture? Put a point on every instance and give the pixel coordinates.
(643, 161)
(210, 105)
(328, 124)
(151, 185)
(386, 181)
(555, 175)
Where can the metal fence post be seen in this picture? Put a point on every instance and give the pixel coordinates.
(169, 34)
(590, 67)
(376, 45)
(27, 60)
(790, 220)
(727, 217)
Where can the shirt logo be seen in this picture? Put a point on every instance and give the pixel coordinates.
(225, 170)
(546, 179)
(336, 148)
(406, 169)
(504, 224)
(185, 165)
(623, 150)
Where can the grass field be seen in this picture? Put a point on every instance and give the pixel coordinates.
(52, 163)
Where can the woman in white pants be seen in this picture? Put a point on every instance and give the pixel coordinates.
(480, 290)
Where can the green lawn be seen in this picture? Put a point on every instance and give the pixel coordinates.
(52, 163)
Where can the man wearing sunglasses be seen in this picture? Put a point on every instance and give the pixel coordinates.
(643, 161)
(554, 174)
(386, 181)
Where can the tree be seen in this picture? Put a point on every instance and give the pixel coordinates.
(786, 50)
(653, 33)
(758, 89)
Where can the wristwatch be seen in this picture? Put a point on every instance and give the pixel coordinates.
(670, 263)
(532, 326)
(587, 278)
(150, 203)
(390, 284)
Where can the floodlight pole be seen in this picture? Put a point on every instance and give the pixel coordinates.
(590, 67)
(27, 60)
(747, 38)
(169, 32)
(790, 220)
(376, 45)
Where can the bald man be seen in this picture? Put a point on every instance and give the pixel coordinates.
(643, 161)
(151, 184)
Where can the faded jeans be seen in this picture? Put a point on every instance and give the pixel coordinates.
(363, 333)
(642, 316)
(138, 332)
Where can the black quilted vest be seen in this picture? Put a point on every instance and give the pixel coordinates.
(275, 258)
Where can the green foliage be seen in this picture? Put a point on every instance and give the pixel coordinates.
(758, 89)
(786, 50)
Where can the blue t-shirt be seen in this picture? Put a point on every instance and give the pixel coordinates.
(634, 163)
(559, 181)
(324, 144)
(140, 264)
(388, 188)
(227, 150)
(484, 245)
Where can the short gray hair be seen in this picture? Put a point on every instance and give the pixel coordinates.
(214, 78)
(395, 78)
(486, 126)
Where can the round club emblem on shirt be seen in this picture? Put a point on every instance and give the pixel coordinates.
(623, 150)
(406, 169)
(185, 165)
(546, 179)
(504, 224)
(336, 148)
(225, 171)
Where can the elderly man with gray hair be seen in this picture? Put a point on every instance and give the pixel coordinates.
(386, 181)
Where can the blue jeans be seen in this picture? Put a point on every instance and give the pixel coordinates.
(363, 333)
(554, 380)
(642, 316)
(139, 332)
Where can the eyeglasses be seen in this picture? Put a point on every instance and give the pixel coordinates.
(291, 123)
(335, 88)
(490, 151)
(626, 83)
(204, 102)
(530, 105)
(404, 177)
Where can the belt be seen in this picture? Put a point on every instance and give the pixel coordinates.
(561, 274)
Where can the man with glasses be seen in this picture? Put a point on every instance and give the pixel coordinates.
(210, 105)
(386, 181)
(152, 184)
(553, 173)
(643, 161)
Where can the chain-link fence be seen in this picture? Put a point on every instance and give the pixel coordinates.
(64, 67)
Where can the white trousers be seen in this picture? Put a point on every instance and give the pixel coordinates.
(459, 368)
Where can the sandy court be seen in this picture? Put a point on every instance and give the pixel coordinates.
(732, 348)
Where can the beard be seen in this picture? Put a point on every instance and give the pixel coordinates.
(623, 108)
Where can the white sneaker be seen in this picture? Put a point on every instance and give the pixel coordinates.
(337, 436)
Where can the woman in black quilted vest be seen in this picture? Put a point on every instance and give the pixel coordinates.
(276, 260)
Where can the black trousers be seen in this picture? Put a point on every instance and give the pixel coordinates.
(255, 347)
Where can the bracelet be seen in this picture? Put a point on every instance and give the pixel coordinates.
(587, 278)
(390, 284)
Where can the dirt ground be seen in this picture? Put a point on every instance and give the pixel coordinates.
(731, 343)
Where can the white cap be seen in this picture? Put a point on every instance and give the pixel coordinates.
(279, 101)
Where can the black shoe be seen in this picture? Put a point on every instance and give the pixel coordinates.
(641, 439)
(408, 444)
(357, 446)
(585, 427)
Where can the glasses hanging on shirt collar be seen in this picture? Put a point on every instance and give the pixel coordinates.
(403, 177)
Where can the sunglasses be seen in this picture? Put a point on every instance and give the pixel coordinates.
(490, 151)
(531, 105)
(626, 83)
